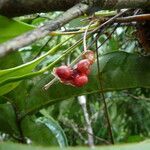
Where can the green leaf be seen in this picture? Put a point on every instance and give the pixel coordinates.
(11, 60)
(8, 87)
(39, 131)
(54, 127)
(10, 28)
(134, 138)
(8, 119)
(25, 71)
(18, 96)
(14, 146)
(120, 70)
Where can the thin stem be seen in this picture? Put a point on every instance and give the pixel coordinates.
(75, 30)
(98, 138)
(103, 97)
(80, 130)
(46, 87)
(106, 24)
(39, 52)
(108, 37)
(84, 37)
(137, 18)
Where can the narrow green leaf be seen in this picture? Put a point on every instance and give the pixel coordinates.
(8, 87)
(18, 96)
(11, 60)
(8, 120)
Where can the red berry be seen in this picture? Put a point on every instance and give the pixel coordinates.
(83, 66)
(87, 72)
(90, 56)
(80, 80)
(63, 72)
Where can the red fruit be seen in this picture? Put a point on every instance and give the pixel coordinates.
(83, 66)
(90, 56)
(63, 72)
(80, 80)
(87, 72)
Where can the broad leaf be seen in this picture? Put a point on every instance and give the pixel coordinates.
(120, 70)
(18, 96)
(41, 131)
(8, 120)
(10, 28)
(54, 127)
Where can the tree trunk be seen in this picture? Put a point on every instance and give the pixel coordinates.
(12, 8)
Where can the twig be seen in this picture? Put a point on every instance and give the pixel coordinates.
(106, 24)
(72, 125)
(84, 37)
(40, 50)
(78, 130)
(108, 37)
(138, 97)
(103, 97)
(98, 138)
(136, 18)
(46, 87)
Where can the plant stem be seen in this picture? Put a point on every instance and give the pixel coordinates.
(103, 97)
(84, 37)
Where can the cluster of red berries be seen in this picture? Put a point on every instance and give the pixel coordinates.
(77, 76)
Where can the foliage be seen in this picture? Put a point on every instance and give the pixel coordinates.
(125, 83)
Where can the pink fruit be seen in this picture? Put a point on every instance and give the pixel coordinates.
(63, 72)
(83, 66)
(90, 56)
(80, 80)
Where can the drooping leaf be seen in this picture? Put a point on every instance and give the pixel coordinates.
(120, 70)
(10, 28)
(18, 96)
(39, 131)
(54, 127)
(8, 119)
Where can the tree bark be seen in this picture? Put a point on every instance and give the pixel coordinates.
(12, 8)
(119, 4)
